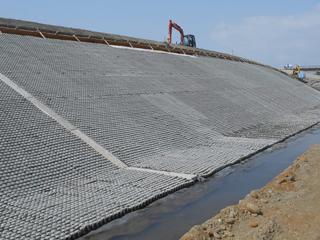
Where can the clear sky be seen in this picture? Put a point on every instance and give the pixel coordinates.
(273, 32)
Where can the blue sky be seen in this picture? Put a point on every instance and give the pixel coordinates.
(273, 32)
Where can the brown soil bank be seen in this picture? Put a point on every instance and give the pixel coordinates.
(287, 208)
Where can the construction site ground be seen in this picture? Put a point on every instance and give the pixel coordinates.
(287, 208)
(313, 80)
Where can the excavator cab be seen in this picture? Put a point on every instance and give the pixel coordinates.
(189, 40)
(186, 40)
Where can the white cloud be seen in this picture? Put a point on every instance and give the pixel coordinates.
(273, 40)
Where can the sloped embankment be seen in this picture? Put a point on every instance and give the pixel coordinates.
(152, 110)
(161, 111)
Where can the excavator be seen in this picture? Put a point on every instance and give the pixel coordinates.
(296, 70)
(186, 40)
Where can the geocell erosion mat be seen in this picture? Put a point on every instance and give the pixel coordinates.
(152, 110)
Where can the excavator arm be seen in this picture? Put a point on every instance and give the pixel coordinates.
(296, 70)
(176, 26)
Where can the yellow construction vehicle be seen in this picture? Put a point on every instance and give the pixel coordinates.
(296, 70)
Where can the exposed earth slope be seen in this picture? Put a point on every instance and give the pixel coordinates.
(287, 208)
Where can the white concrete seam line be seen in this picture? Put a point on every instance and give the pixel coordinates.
(108, 155)
(66, 124)
(174, 174)
(154, 51)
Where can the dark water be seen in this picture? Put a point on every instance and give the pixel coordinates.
(172, 216)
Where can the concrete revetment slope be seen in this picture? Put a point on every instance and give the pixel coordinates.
(175, 115)
(25, 28)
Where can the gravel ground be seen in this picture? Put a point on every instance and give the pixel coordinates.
(312, 80)
(287, 208)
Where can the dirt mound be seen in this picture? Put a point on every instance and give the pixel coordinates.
(287, 208)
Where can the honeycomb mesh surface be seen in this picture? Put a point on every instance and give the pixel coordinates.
(54, 186)
(153, 110)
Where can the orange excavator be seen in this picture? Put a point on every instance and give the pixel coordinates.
(186, 40)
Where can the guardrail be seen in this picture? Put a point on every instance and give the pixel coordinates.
(310, 67)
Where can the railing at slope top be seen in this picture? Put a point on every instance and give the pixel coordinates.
(172, 48)
(310, 67)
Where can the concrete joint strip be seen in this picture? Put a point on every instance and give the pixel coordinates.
(66, 124)
(155, 51)
(99, 149)
(14, 86)
(63, 122)
(174, 174)
(52, 114)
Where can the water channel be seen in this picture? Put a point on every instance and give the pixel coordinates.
(170, 217)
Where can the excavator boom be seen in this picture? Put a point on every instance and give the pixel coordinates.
(186, 40)
(176, 26)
